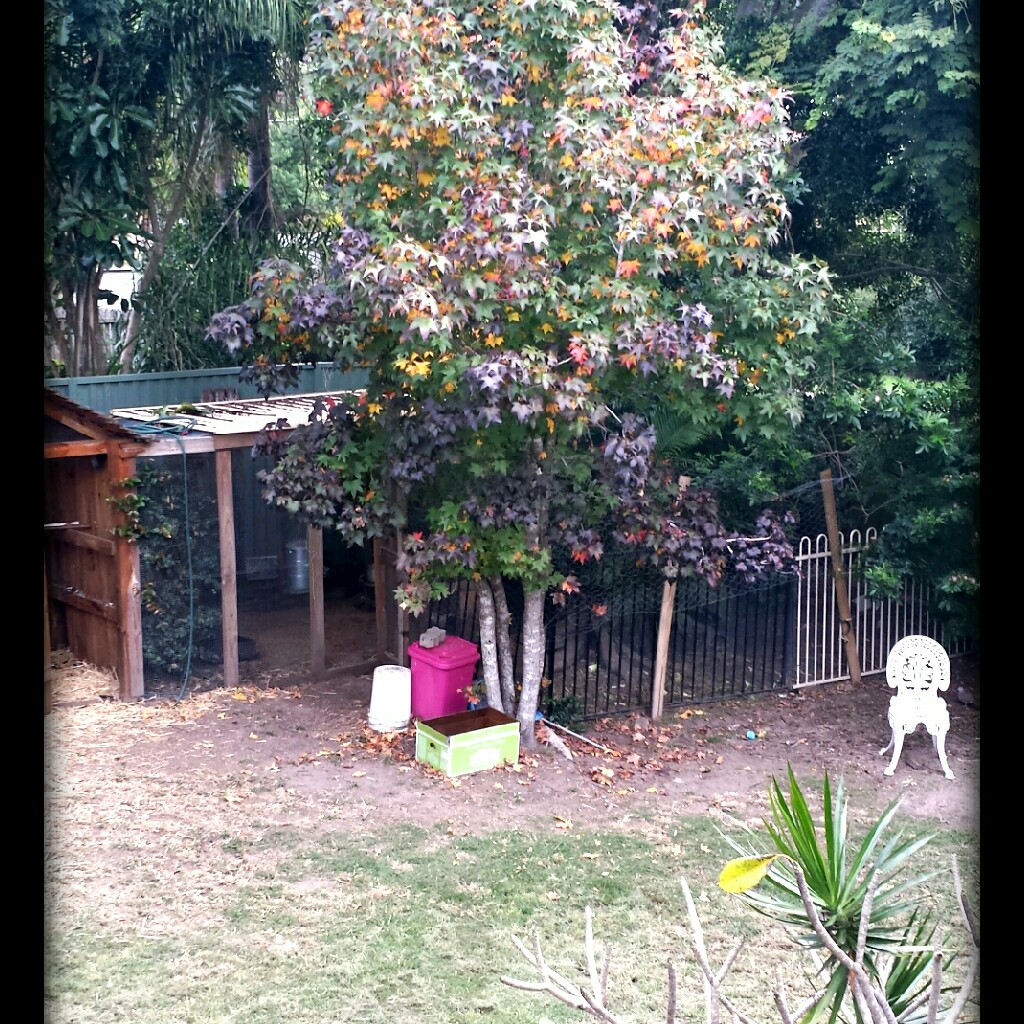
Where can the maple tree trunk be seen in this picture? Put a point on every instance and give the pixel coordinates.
(533, 665)
(487, 619)
(506, 661)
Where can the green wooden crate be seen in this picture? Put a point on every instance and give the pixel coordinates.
(469, 741)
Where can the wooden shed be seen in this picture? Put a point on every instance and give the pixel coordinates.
(91, 599)
(92, 576)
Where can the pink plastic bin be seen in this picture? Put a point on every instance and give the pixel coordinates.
(438, 674)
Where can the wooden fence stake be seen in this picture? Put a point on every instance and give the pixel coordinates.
(842, 596)
(668, 603)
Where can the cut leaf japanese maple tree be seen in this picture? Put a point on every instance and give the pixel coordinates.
(554, 219)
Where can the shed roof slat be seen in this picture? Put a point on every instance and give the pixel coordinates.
(247, 416)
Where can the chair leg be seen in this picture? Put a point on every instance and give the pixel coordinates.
(940, 748)
(885, 750)
(897, 744)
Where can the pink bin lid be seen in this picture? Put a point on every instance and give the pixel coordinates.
(452, 651)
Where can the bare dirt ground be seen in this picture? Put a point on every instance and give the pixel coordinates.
(305, 745)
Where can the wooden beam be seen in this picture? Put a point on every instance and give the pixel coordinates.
(228, 569)
(199, 444)
(73, 449)
(317, 640)
(82, 602)
(83, 449)
(81, 539)
(380, 609)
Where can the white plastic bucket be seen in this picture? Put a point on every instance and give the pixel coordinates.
(391, 698)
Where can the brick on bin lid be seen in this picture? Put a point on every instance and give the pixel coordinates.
(433, 637)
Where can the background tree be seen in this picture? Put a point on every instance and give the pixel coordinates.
(138, 98)
(886, 95)
(549, 234)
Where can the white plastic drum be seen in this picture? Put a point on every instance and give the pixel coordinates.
(391, 698)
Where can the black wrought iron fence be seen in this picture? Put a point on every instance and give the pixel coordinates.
(601, 644)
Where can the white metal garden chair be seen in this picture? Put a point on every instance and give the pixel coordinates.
(917, 668)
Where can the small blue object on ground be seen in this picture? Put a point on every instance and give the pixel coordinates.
(751, 735)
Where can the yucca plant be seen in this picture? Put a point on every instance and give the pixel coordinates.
(897, 942)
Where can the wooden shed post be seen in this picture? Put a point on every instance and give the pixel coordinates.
(131, 680)
(228, 569)
(317, 644)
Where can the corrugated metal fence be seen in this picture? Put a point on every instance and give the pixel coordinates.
(135, 390)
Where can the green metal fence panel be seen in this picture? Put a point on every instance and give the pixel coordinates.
(146, 390)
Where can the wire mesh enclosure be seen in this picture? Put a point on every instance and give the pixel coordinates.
(180, 572)
(179, 561)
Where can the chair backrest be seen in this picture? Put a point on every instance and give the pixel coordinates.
(917, 666)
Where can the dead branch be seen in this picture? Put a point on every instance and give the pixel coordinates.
(554, 984)
(546, 735)
(780, 999)
(576, 735)
(975, 933)
(865, 994)
(965, 908)
(868, 996)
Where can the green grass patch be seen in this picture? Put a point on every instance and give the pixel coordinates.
(414, 925)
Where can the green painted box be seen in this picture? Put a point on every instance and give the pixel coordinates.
(469, 741)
